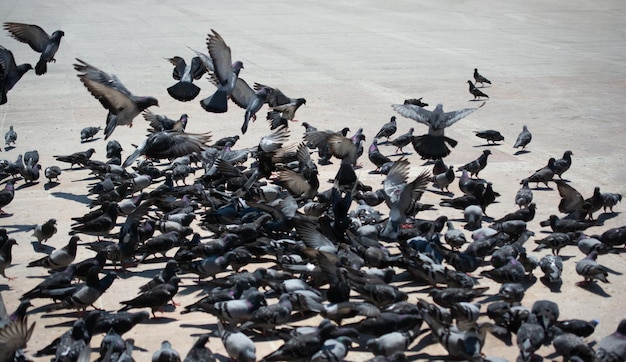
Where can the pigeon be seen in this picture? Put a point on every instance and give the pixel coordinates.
(199, 352)
(224, 76)
(512, 292)
(122, 105)
(10, 73)
(573, 203)
(443, 180)
(55, 285)
(610, 200)
(248, 99)
(6, 257)
(512, 272)
(45, 231)
(38, 40)
(524, 196)
(416, 102)
(333, 350)
(552, 267)
(578, 327)
(460, 344)
(100, 225)
(14, 336)
(402, 141)
(119, 322)
(526, 214)
(88, 133)
(166, 353)
(10, 137)
(388, 129)
(477, 93)
(568, 225)
(433, 145)
(563, 164)
(523, 139)
(613, 346)
(52, 172)
(490, 135)
(544, 174)
(239, 347)
(376, 157)
(60, 258)
(184, 90)
(161, 145)
(280, 103)
(530, 337)
(473, 215)
(590, 270)
(163, 123)
(474, 167)
(478, 78)
(393, 342)
(88, 293)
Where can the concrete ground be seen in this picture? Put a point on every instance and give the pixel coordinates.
(557, 67)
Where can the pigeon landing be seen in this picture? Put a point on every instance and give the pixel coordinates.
(10, 72)
(39, 41)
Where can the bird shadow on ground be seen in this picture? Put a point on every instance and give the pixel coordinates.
(9, 148)
(555, 287)
(607, 216)
(161, 319)
(520, 152)
(91, 140)
(27, 185)
(489, 144)
(83, 199)
(41, 248)
(14, 179)
(594, 288)
(189, 288)
(441, 193)
(401, 154)
(4, 287)
(477, 100)
(19, 228)
(50, 185)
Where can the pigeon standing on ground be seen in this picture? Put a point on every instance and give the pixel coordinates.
(45, 231)
(225, 74)
(523, 139)
(524, 195)
(122, 105)
(38, 40)
(443, 180)
(388, 129)
(474, 167)
(7, 195)
(563, 164)
(6, 256)
(589, 269)
(490, 135)
(10, 72)
(88, 133)
(477, 93)
(52, 172)
(238, 346)
(10, 137)
(610, 199)
(433, 145)
(376, 157)
(58, 259)
(402, 140)
(478, 78)
(185, 90)
(166, 353)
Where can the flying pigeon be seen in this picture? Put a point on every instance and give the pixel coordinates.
(163, 123)
(122, 105)
(38, 40)
(433, 144)
(10, 72)
(280, 103)
(248, 99)
(160, 145)
(185, 74)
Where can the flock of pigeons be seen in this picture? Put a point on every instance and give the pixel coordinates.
(336, 253)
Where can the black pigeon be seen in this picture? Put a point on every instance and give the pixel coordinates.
(77, 158)
(6, 256)
(573, 203)
(185, 74)
(38, 40)
(122, 105)
(474, 167)
(376, 157)
(100, 225)
(161, 145)
(416, 102)
(490, 135)
(10, 72)
(388, 129)
(402, 140)
(478, 78)
(433, 144)
(563, 164)
(477, 93)
(56, 286)
(119, 322)
(523, 139)
(155, 298)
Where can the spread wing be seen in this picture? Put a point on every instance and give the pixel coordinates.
(571, 200)
(33, 35)
(413, 112)
(220, 54)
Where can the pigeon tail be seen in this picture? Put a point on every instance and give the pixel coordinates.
(111, 124)
(41, 67)
(217, 103)
(183, 91)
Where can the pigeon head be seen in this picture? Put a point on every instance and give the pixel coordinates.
(237, 66)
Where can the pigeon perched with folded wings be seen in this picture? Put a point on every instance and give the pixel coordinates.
(6, 195)
(6, 256)
(224, 76)
(60, 258)
(10, 72)
(478, 78)
(185, 74)
(433, 144)
(490, 135)
(122, 105)
(589, 269)
(388, 129)
(610, 200)
(161, 145)
(477, 93)
(38, 40)
(563, 164)
(166, 353)
(248, 99)
(10, 137)
(279, 102)
(45, 231)
(523, 139)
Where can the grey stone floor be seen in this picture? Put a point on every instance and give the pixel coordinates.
(558, 67)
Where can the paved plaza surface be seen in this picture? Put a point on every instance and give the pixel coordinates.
(558, 67)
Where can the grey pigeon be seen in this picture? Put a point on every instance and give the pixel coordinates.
(279, 102)
(477, 93)
(80, 157)
(333, 350)
(10, 136)
(6, 256)
(388, 129)
(166, 353)
(478, 78)
(473, 215)
(376, 157)
(44, 231)
(402, 140)
(38, 40)
(530, 337)
(563, 164)
(248, 99)
(443, 180)
(543, 174)
(613, 346)
(60, 258)
(163, 123)
(523, 139)
(524, 196)
(184, 90)
(122, 105)
(52, 172)
(161, 145)
(199, 352)
(14, 336)
(10, 73)
(87, 294)
(224, 76)
(610, 199)
(552, 267)
(238, 346)
(589, 269)
(88, 133)
(569, 345)
(460, 344)
(433, 145)
(512, 292)
(512, 272)
(454, 237)
(392, 342)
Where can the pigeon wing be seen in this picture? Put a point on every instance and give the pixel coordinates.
(571, 199)
(413, 112)
(32, 35)
(220, 54)
(110, 97)
(242, 94)
(450, 118)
